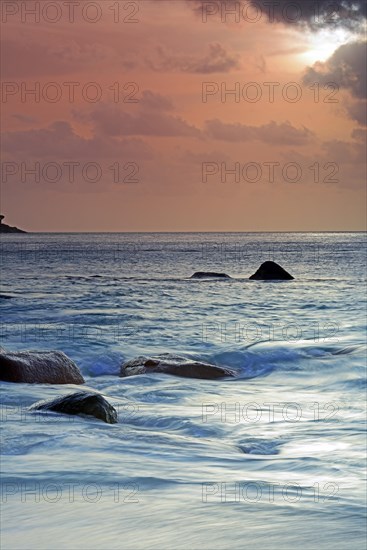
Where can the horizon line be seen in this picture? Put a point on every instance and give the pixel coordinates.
(184, 232)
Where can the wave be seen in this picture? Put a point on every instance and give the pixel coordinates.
(259, 359)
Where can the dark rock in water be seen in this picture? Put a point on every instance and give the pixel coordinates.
(173, 364)
(4, 228)
(271, 271)
(260, 447)
(38, 367)
(80, 403)
(208, 275)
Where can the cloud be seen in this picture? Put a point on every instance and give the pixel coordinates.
(274, 133)
(315, 14)
(217, 60)
(358, 111)
(359, 134)
(110, 120)
(60, 141)
(152, 100)
(346, 67)
(194, 158)
(335, 163)
(30, 58)
(25, 119)
(346, 152)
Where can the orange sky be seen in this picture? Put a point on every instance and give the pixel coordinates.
(168, 139)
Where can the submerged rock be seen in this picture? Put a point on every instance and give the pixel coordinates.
(80, 403)
(257, 446)
(208, 275)
(173, 364)
(38, 367)
(271, 271)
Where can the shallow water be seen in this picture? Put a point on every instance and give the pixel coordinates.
(274, 458)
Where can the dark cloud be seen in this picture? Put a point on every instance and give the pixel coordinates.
(217, 60)
(346, 68)
(274, 133)
(315, 14)
(360, 134)
(358, 111)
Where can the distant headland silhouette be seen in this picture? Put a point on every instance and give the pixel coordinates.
(4, 228)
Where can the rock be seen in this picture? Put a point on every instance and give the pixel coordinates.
(4, 228)
(209, 275)
(80, 403)
(173, 364)
(8, 229)
(271, 270)
(255, 446)
(38, 367)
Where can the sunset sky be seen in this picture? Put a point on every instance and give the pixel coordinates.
(194, 107)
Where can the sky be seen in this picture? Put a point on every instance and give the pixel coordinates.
(183, 115)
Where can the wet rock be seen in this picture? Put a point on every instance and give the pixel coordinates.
(271, 271)
(80, 403)
(38, 367)
(173, 364)
(260, 447)
(209, 275)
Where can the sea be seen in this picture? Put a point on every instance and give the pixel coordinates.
(274, 458)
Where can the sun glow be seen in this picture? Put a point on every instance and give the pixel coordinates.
(322, 45)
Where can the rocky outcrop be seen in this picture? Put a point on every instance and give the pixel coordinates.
(80, 403)
(4, 228)
(209, 275)
(271, 271)
(38, 367)
(174, 364)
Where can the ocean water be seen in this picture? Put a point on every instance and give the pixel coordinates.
(274, 458)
